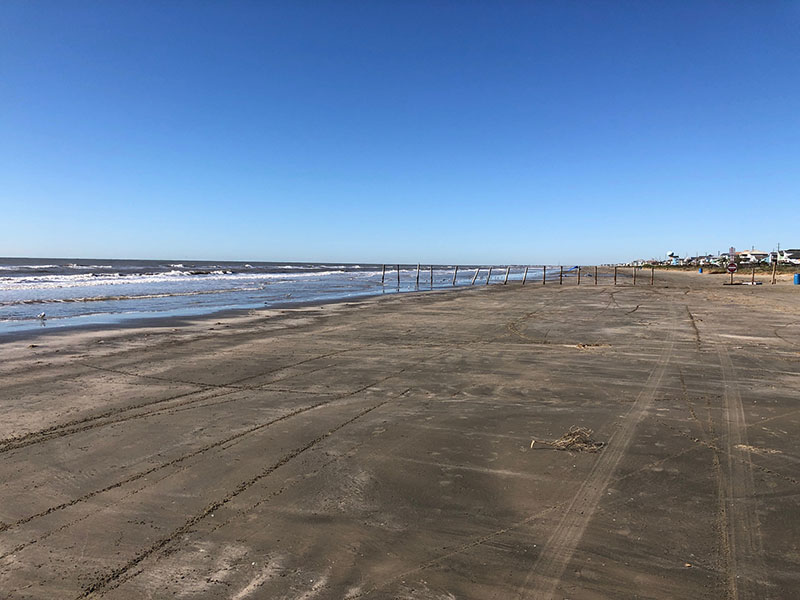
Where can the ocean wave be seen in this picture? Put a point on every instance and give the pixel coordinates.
(28, 267)
(125, 297)
(89, 267)
(44, 282)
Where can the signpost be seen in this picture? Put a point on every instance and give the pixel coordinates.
(732, 269)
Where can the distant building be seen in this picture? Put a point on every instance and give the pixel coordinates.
(790, 256)
(753, 256)
(749, 257)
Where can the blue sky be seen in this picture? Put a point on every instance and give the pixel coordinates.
(488, 132)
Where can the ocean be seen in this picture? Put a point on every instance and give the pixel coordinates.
(73, 292)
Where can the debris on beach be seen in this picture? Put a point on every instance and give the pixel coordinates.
(757, 450)
(577, 439)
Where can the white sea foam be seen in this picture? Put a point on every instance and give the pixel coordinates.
(126, 297)
(92, 280)
(162, 288)
(90, 267)
(26, 267)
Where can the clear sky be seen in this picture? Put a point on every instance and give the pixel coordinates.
(463, 131)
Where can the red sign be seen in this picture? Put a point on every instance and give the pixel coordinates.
(732, 268)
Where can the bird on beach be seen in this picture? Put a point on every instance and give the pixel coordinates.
(41, 316)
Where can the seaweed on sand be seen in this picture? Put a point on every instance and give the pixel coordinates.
(577, 439)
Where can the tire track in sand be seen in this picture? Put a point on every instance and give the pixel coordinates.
(115, 577)
(745, 559)
(545, 575)
(120, 414)
(222, 443)
(142, 474)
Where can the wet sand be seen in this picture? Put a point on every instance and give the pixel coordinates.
(382, 449)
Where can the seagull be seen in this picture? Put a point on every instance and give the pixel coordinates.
(41, 316)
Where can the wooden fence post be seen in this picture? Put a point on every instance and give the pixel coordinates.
(774, 270)
(544, 274)
(417, 274)
(398, 277)
(634, 275)
(383, 274)
(455, 274)
(652, 275)
(753, 278)
(474, 277)
(579, 275)
(489, 276)
(525, 276)
(561, 275)
(508, 270)
(431, 276)
(615, 275)
(595, 275)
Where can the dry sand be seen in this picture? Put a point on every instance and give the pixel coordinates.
(382, 449)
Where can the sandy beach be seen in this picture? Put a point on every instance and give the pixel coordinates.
(383, 449)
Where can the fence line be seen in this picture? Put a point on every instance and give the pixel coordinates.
(576, 271)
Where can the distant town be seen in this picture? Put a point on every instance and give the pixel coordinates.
(790, 256)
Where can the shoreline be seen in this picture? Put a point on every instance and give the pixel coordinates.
(123, 321)
(48, 343)
(178, 320)
(229, 316)
(170, 321)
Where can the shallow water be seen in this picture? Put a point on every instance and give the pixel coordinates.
(73, 292)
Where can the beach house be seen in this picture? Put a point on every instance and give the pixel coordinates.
(790, 255)
(753, 256)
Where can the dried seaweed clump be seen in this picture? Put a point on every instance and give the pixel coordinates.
(577, 439)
